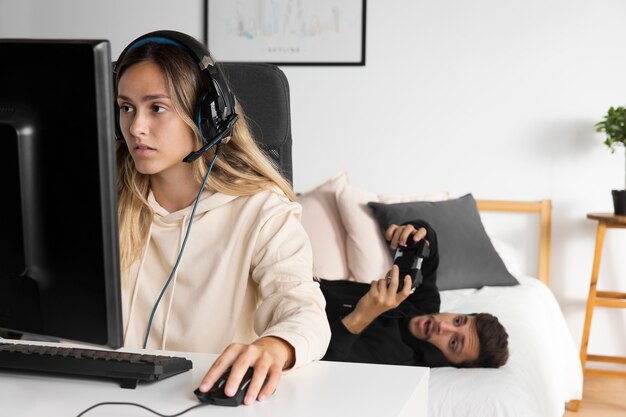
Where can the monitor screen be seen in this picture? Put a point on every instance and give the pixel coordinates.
(59, 255)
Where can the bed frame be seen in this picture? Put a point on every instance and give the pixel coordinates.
(544, 209)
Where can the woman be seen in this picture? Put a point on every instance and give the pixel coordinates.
(243, 286)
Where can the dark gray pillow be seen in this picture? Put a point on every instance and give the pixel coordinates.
(467, 258)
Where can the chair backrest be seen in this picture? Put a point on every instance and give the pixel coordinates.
(263, 92)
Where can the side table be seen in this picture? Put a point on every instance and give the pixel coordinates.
(601, 298)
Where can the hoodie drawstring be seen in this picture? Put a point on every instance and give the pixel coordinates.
(218, 150)
(138, 277)
(173, 290)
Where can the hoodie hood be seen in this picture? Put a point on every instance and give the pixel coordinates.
(208, 201)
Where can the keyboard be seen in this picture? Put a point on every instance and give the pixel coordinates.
(128, 368)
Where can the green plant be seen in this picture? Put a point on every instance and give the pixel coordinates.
(614, 127)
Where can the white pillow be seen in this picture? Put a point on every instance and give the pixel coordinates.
(510, 256)
(367, 252)
(321, 220)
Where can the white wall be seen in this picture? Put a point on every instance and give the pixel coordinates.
(493, 97)
(120, 21)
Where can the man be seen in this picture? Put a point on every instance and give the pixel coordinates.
(377, 324)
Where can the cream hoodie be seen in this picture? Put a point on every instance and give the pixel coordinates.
(246, 272)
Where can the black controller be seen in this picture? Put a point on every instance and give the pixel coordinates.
(409, 259)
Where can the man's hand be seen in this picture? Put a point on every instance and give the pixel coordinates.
(398, 235)
(382, 296)
(269, 356)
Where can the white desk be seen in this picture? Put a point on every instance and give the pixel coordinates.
(318, 389)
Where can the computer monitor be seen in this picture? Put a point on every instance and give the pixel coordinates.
(59, 255)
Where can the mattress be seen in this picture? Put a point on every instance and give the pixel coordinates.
(543, 371)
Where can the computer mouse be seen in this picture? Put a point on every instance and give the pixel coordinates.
(217, 396)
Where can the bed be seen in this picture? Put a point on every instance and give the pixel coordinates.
(543, 372)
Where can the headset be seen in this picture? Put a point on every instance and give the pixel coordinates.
(215, 109)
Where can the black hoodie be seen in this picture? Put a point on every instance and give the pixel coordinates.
(387, 339)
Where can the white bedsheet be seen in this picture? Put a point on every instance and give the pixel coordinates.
(543, 371)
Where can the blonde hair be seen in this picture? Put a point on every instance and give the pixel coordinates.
(242, 169)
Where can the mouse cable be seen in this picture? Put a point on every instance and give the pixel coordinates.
(142, 406)
(182, 247)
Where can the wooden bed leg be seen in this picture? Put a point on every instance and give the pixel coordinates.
(572, 405)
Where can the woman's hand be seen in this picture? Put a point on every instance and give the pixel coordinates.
(398, 235)
(269, 356)
(382, 296)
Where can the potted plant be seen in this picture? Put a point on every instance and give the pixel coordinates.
(614, 127)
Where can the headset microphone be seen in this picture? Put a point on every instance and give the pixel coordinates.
(222, 137)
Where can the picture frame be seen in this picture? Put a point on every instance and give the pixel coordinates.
(286, 32)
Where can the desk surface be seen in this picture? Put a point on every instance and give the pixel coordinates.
(319, 389)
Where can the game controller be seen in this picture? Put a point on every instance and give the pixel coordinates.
(409, 259)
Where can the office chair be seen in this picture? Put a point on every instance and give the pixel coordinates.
(263, 91)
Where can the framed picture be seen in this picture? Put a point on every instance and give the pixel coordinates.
(287, 32)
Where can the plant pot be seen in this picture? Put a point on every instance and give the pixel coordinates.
(619, 202)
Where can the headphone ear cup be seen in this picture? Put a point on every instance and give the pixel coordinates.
(205, 119)
(118, 129)
(116, 109)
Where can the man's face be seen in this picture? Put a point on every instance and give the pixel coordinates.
(454, 334)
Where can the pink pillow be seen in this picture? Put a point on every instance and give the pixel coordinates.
(322, 223)
(367, 252)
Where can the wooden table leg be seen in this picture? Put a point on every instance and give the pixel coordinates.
(591, 299)
(572, 405)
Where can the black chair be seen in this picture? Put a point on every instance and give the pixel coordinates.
(263, 92)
